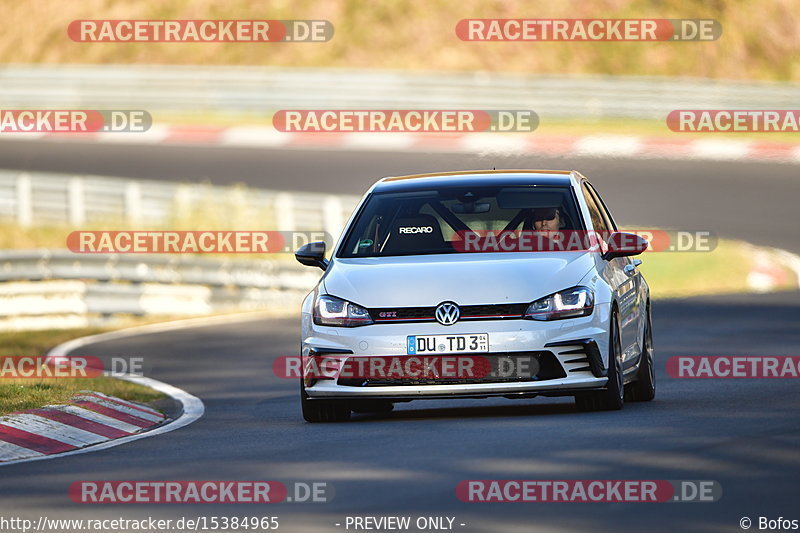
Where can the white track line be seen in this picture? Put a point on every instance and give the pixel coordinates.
(63, 349)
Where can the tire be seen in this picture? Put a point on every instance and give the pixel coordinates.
(323, 410)
(612, 398)
(644, 388)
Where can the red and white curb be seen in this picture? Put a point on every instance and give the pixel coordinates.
(102, 421)
(90, 418)
(623, 146)
(771, 269)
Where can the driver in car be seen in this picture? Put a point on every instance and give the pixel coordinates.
(546, 219)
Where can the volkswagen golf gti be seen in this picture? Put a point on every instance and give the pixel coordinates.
(500, 283)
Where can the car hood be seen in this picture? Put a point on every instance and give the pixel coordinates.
(466, 279)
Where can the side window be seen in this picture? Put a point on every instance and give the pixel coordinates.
(598, 221)
(602, 206)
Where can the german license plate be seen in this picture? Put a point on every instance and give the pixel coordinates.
(439, 344)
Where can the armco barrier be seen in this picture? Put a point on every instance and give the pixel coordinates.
(39, 198)
(263, 90)
(58, 289)
(46, 289)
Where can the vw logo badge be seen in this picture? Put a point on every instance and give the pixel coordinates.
(447, 313)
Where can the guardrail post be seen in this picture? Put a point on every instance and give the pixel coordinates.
(284, 211)
(24, 200)
(133, 202)
(76, 212)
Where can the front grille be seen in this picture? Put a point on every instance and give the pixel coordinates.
(399, 315)
(543, 365)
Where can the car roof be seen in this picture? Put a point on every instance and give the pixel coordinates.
(476, 178)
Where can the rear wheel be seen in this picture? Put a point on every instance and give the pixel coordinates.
(612, 397)
(644, 388)
(323, 410)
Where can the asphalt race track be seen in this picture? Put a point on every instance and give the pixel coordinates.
(744, 434)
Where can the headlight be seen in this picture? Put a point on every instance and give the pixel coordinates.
(332, 311)
(571, 303)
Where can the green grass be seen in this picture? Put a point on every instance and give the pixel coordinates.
(20, 394)
(683, 274)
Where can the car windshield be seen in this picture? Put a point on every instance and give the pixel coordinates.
(434, 221)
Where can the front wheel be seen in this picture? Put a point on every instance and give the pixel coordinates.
(323, 410)
(612, 397)
(644, 388)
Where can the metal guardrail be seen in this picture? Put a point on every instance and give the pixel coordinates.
(262, 90)
(58, 199)
(58, 289)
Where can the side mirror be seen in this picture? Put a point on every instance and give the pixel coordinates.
(621, 244)
(312, 254)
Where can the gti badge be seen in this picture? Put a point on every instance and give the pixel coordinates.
(447, 313)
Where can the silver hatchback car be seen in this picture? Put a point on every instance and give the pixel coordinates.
(512, 283)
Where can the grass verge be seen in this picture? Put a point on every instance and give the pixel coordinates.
(20, 394)
(724, 270)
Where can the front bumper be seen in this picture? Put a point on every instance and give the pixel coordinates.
(329, 389)
(565, 339)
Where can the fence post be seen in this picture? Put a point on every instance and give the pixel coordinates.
(24, 200)
(76, 212)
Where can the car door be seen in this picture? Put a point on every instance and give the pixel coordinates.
(622, 274)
